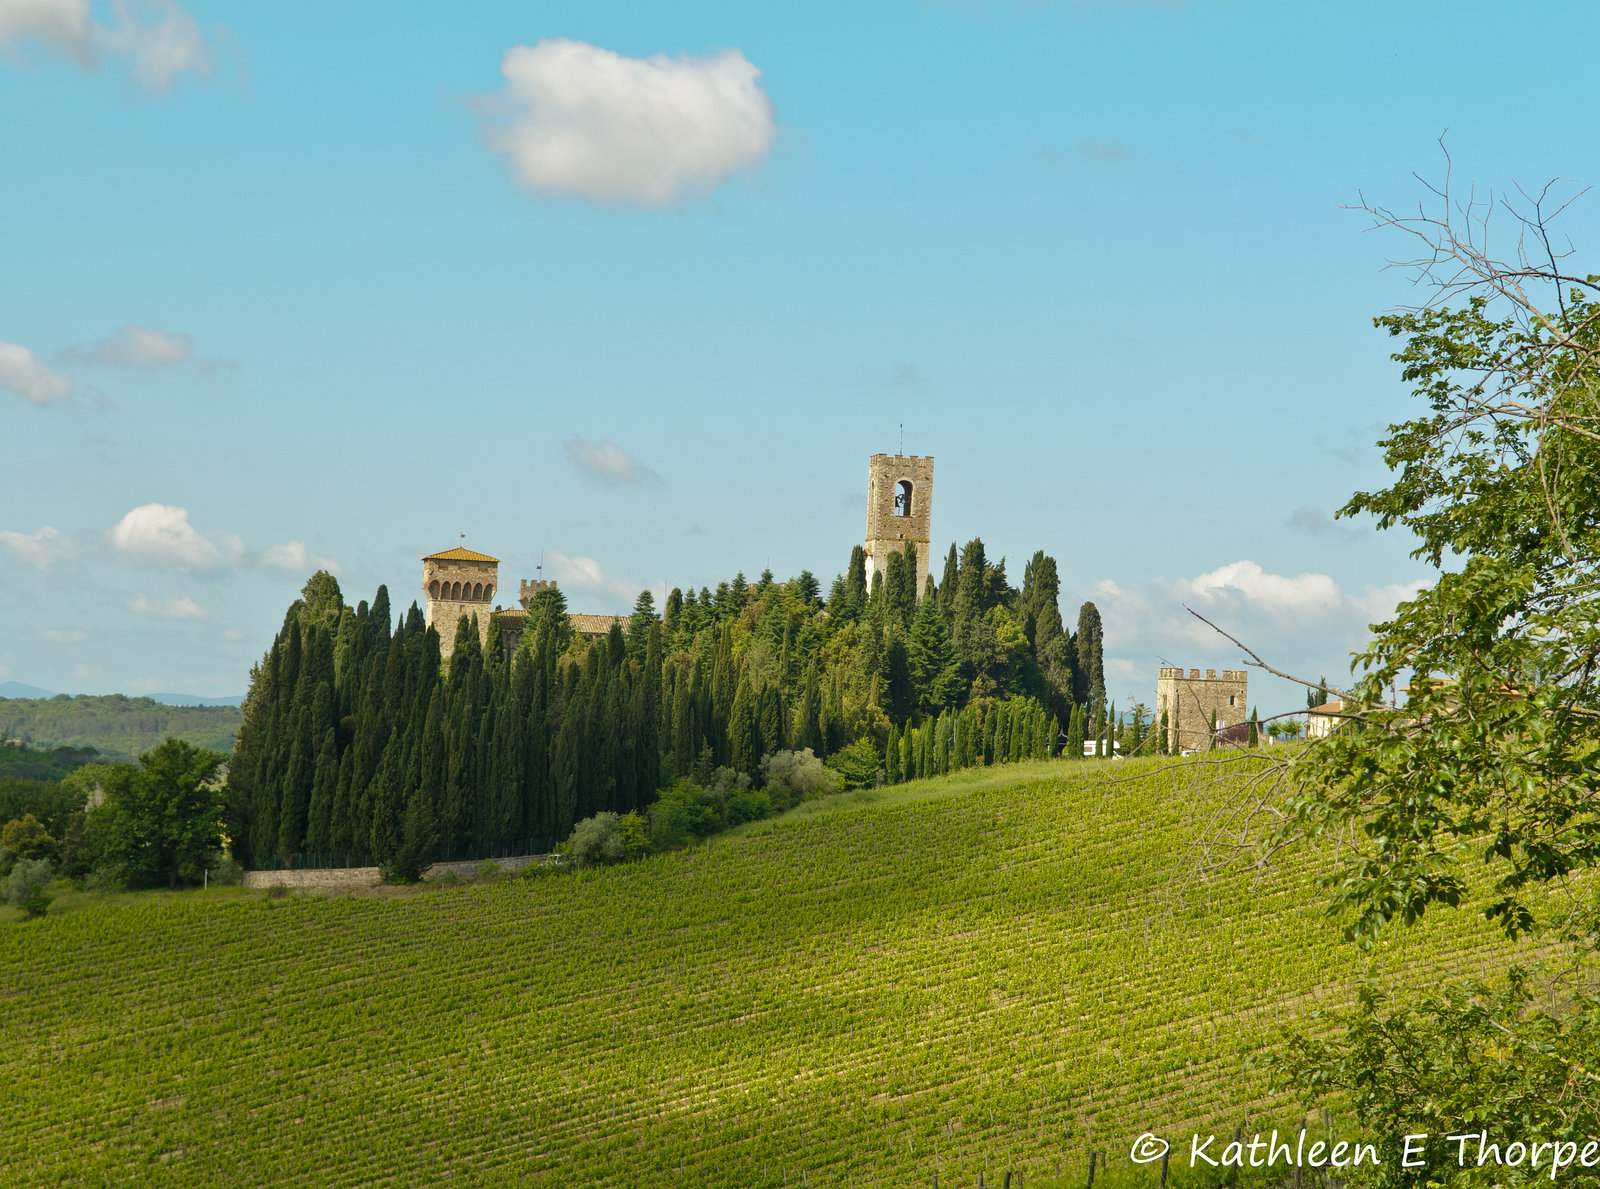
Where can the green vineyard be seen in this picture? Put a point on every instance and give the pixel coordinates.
(967, 975)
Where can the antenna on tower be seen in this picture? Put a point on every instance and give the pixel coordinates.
(902, 437)
(539, 569)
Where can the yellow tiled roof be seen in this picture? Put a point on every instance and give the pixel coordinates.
(460, 553)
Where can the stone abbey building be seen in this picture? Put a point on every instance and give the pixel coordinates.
(461, 581)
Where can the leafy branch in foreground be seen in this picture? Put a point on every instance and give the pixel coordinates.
(1482, 789)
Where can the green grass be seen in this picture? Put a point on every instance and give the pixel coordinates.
(951, 976)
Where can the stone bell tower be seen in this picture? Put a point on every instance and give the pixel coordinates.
(459, 582)
(899, 510)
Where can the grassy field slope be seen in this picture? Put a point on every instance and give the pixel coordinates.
(951, 977)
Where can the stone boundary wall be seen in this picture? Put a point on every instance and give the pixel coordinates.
(366, 877)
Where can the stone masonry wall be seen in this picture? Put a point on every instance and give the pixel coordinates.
(889, 528)
(1189, 700)
(366, 877)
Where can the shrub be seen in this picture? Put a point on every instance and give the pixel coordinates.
(225, 872)
(747, 805)
(596, 840)
(635, 838)
(25, 886)
(857, 764)
(799, 774)
(681, 811)
(488, 869)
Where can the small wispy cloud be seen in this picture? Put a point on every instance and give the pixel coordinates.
(156, 39)
(585, 573)
(296, 558)
(134, 347)
(607, 462)
(1315, 522)
(63, 635)
(1102, 150)
(180, 607)
(23, 374)
(42, 548)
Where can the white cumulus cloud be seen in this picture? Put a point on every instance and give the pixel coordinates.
(608, 462)
(157, 39)
(586, 122)
(161, 534)
(41, 549)
(295, 557)
(181, 607)
(22, 373)
(136, 346)
(1304, 596)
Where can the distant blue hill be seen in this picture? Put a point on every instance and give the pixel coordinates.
(18, 689)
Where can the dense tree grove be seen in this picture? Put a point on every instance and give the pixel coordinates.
(357, 742)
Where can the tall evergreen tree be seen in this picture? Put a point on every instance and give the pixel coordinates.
(948, 582)
(1089, 678)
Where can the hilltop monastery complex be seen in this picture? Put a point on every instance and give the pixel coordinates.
(462, 582)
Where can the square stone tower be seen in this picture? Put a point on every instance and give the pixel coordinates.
(899, 509)
(1189, 701)
(459, 582)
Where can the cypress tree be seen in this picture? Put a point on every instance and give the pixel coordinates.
(1211, 742)
(891, 755)
(897, 601)
(855, 579)
(341, 838)
(432, 760)
(324, 789)
(769, 721)
(388, 806)
(1164, 747)
(743, 747)
(947, 583)
(1075, 733)
(899, 692)
(297, 780)
(1089, 673)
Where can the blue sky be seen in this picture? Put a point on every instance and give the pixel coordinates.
(290, 282)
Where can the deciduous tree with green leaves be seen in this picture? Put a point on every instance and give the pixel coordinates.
(1482, 792)
(163, 819)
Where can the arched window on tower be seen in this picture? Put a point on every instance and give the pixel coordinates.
(477, 592)
(433, 589)
(455, 592)
(902, 499)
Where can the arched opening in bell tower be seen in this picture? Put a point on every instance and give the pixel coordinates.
(902, 498)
